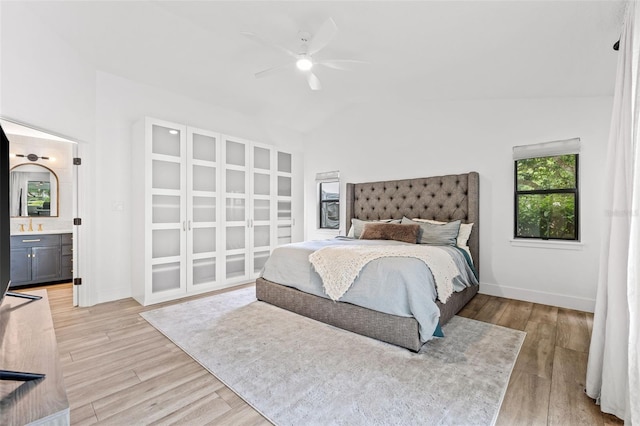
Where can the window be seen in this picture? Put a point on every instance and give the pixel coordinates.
(546, 192)
(329, 205)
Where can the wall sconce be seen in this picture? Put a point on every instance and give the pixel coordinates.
(32, 157)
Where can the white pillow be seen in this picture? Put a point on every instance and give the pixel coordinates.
(463, 234)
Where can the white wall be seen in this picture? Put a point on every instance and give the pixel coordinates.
(391, 140)
(46, 84)
(120, 104)
(42, 81)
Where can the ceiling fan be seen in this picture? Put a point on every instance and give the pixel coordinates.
(303, 60)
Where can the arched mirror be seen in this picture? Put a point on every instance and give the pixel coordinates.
(33, 191)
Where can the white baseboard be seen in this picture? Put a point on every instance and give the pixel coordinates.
(116, 293)
(544, 298)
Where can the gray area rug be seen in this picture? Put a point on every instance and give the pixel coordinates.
(297, 371)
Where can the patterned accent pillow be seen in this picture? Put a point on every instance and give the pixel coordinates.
(391, 231)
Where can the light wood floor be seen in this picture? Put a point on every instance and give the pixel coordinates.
(120, 370)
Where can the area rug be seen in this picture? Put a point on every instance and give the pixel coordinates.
(297, 371)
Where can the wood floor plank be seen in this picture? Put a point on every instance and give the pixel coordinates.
(573, 330)
(83, 415)
(473, 307)
(492, 310)
(516, 315)
(569, 404)
(544, 313)
(207, 410)
(148, 389)
(153, 409)
(536, 354)
(93, 390)
(526, 401)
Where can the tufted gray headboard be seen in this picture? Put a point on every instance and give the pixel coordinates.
(443, 198)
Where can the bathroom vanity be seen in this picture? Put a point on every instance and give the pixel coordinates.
(38, 258)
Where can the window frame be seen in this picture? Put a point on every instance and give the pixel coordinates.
(574, 190)
(321, 202)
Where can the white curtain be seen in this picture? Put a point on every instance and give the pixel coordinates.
(613, 377)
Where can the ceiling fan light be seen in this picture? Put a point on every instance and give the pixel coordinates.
(304, 64)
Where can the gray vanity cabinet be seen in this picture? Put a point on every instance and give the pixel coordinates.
(37, 259)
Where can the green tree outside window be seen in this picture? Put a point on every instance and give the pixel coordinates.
(546, 197)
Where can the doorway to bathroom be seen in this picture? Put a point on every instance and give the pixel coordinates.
(44, 192)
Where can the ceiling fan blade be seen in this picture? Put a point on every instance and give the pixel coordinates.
(314, 81)
(260, 40)
(340, 64)
(272, 70)
(324, 35)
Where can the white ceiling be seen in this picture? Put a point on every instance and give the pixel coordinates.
(415, 51)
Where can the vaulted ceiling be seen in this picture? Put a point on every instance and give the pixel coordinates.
(414, 51)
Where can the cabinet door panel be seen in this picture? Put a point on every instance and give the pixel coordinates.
(261, 210)
(166, 175)
(236, 182)
(235, 210)
(261, 158)
(203, 178)
(165, 209)
(261, 236)
(166, 243)
(204, 209)
(204, 147)
(236, 266)
(236, 238)
(166, 277)
(261, 184)
(236, 153)
(165, 140)
(45, 263)
(204, 271)
(259, 259)
(284, 186)
(20, 265)
(204, 240)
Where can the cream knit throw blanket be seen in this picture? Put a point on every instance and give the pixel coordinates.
(340, 266)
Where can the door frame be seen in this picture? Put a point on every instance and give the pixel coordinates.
(81, 198)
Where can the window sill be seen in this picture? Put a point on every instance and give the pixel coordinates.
(548, 244)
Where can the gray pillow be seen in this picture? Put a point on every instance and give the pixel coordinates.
(357, 226)
(430, 233)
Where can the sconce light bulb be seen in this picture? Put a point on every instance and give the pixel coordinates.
(12, 155)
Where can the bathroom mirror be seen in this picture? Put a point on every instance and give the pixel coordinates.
(33, 190)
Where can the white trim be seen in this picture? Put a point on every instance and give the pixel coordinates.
(547, 244)
(547, 149)
(541, 297)
(328, 176)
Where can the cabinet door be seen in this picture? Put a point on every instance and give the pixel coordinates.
(284, 191)
(262, 207)
(45, 263)
(236, 208)
(166, 235)
(202, 213)
(20, 265)
(66, 262)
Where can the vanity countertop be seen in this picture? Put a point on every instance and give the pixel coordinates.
(44, 232)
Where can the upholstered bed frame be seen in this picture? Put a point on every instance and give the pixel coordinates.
(442, 198)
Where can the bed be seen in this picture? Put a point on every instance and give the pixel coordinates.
(441, 198)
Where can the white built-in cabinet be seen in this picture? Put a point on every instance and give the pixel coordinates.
(208, 209)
